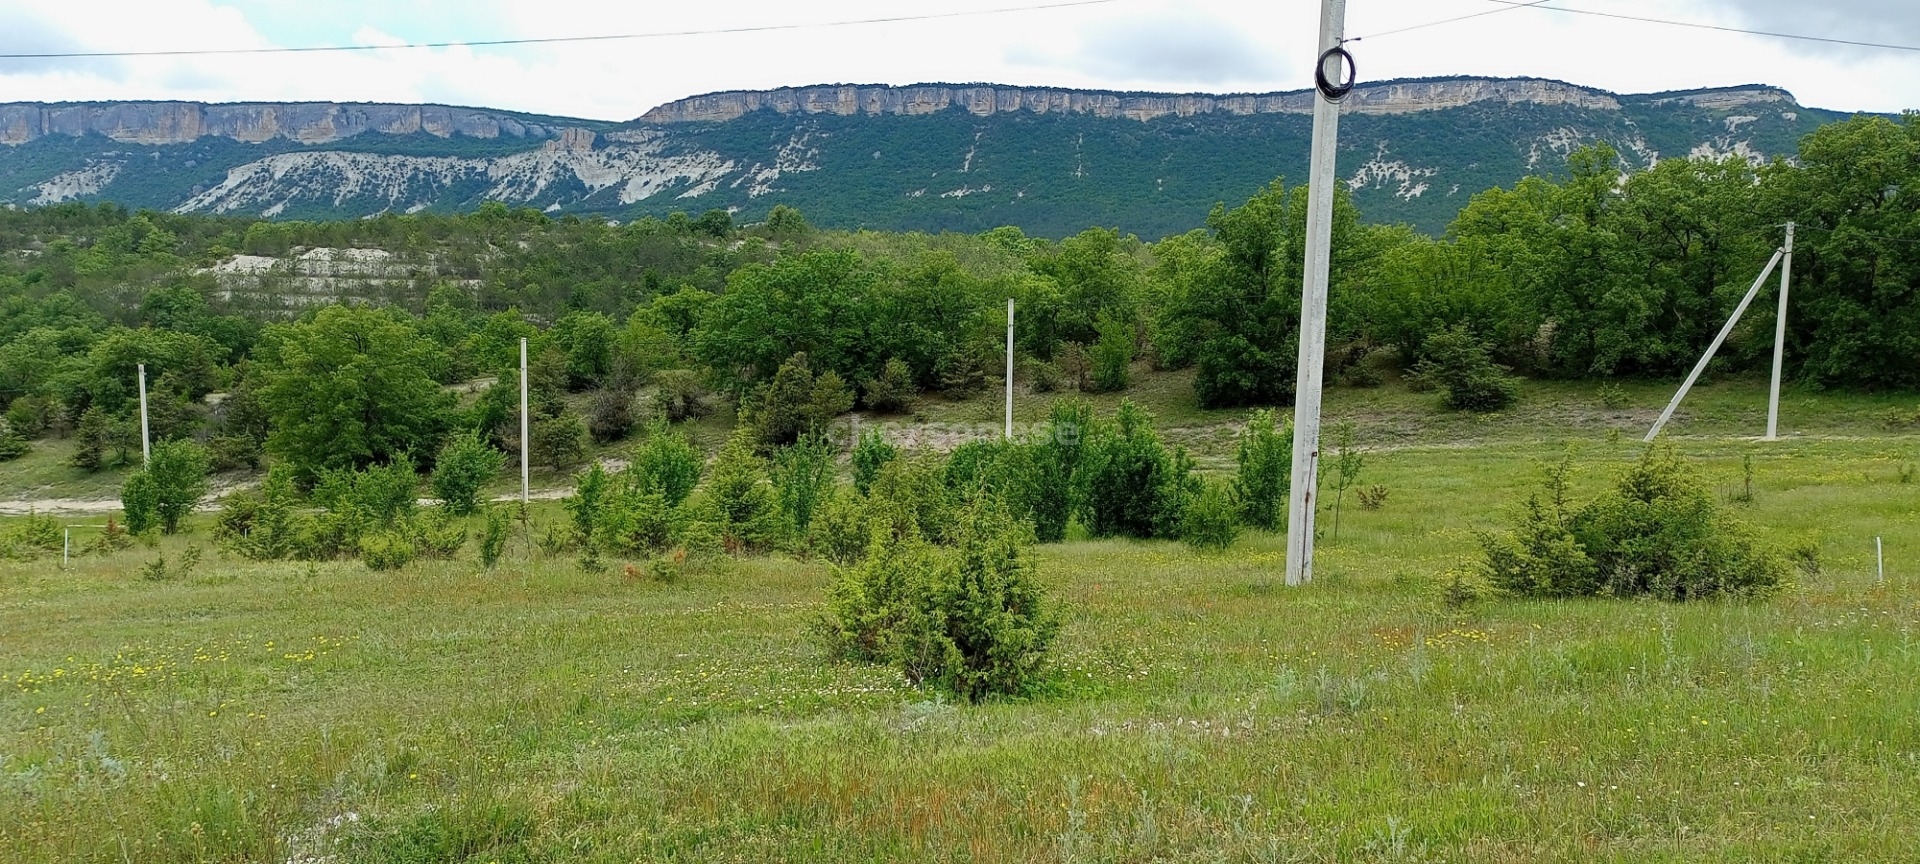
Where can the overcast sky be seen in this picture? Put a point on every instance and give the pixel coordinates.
(1176, 45)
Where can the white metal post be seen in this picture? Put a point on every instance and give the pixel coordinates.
(66, 548)
(525, 494)
(1779, 339)
(1708, 357)
(146, 449)
(1313, 308)
(1009, 368)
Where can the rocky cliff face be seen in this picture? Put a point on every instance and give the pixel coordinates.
(1393, 97)
(928, 157)
(303, 122)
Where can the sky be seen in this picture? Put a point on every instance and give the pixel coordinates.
(1155, 45)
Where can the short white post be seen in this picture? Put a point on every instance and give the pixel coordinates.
(1879, 561)
(146, 448)
(1708, 357)
(525, 494)
(66, 548)
(1779, 339)
(1009, 368)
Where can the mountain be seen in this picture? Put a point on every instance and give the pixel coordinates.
(928, 157)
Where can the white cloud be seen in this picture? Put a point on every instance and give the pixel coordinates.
(1180, 45)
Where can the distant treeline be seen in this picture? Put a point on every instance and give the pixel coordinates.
(1595, 275)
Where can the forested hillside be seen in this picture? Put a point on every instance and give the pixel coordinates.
(925, 157)
(244, 324)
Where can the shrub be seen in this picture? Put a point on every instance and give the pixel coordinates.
(435, 533)
(797, 402)
(840, 529)
(1656, 532)
(1112, 355)
(635, 522)
(164, 492)
(1264, 478)
(1460, 365)
(560, 442)
(1075, 366)
(93, 435)
(802, 474)
(961, 372)
(871, 454)
(1056, 463)
(494, 534)
(386, 549)
(1213, 523)
(13, 445)
(979, 625)
(680, 396)
(910, 496)
(1613, 396)
(892, 391)
(665, 463)
(1129, 483)
(1347, 463)
(31, 415)
(465, 464)
(113, 538)
(1042, 377)
(1373, 497)
(262, 525)
(868, 605)
(593, 495)
(747, 514)
(381, 494)
(609, 415)
(233, 452)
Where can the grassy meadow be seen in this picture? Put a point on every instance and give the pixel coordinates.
(1200, 709)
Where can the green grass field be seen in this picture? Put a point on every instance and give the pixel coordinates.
(1201, 710)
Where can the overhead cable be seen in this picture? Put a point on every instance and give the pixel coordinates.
(484, 43)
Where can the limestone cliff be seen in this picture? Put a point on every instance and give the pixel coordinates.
(303, 122)
(1389, 97)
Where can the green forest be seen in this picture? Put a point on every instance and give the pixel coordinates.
(1598, 275)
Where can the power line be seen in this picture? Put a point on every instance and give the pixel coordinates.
(480, 43)
(1537, 4)
(1855, 232)
(1447, 20)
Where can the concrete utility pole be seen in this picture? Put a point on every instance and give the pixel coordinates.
(1779, 339)
(1009, 368)
(146, 448)
(1708, 357)
(525, 494)
(1313, 300)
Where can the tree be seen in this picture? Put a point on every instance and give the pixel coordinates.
(350, 387)
(1264, 458)
(1112, 355)
(819, 302)
(464, 466)
(164, 492)
(609, 415)
(1129, 484)
(891, 391)
(665, 463)
(740, 490)
(559, 442)
(1347, 462)
(1459, 364)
